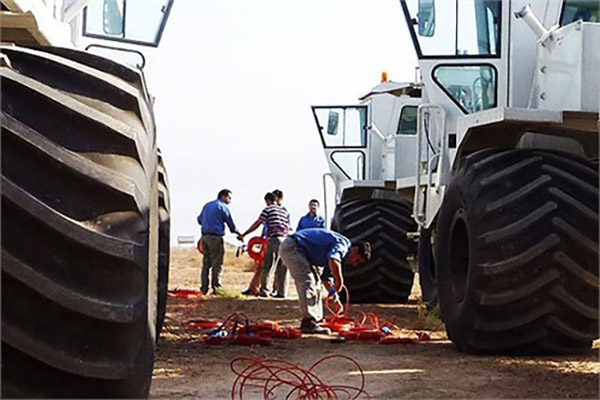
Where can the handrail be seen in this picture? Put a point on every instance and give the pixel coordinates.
(425, 161)
(325, 175)
(360, 157)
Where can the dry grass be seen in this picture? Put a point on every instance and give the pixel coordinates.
(186, 266)
(429, 320)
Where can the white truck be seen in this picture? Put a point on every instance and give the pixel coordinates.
(370, 149)
(506, 181)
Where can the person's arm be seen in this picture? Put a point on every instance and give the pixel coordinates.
(335, 267)
(252, 228)
(263, 217)
(229, 220)
(321, 223)
(199, 219)
(300, 224)
(336, 255)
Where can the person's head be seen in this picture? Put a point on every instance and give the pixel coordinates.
(278, 196)
(359, 253)
(313, 206)
(225, 195)
(269, 198)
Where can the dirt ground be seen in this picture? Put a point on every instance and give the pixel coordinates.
(187, 368)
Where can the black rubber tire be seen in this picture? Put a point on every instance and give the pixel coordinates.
(517, 253)
(79, 227)
(427, 274)
(387, 277)
(164, 238)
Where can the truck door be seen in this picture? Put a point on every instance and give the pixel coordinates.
(406, 140)
(343, 132)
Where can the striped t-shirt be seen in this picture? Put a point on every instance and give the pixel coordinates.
(277, 219)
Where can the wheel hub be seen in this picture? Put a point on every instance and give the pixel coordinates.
(459, 255)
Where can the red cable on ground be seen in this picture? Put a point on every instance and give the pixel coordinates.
(283, 379)
(237, 329)
(370, 327)
(184, 294)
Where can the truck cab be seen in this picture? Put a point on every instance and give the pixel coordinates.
(370, 148)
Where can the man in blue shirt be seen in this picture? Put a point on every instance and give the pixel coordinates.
(312, 219)
(215, 214)
(304, 252)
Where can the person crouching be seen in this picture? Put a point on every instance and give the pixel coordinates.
(305, 253)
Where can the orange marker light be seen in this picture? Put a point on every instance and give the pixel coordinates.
(384, 77)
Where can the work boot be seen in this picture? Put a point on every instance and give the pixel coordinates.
(309, 325)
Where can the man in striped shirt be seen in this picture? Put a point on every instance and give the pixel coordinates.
(277, 219)
(279, 201)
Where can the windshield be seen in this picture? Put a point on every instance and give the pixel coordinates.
(453, 28)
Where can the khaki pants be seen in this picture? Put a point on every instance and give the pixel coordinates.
(254, 286)
(306, 278)
(273, 265)
(214, 250)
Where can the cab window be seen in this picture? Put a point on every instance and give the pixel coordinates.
(131, 21)
(465, 28)
(408, 121)
(575, 10)
(352, 163)
(471, 87)
(344, 126)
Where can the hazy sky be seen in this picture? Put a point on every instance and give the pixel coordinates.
(234, 81)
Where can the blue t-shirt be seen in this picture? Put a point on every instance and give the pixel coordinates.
(322, 245)
(214, 216)
(308, 221)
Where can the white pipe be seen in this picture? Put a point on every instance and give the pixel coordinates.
(374, 128)
(325, 175)
(532, 22)
(73, 9)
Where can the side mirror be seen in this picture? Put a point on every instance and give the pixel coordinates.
(112, 17)
(426, 15)
(332, 122)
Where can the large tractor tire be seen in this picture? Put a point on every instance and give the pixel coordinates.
(517, 253)
(164, 238)
(79, 226)
(387, 277)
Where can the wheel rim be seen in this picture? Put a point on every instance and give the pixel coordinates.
(459, 255)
